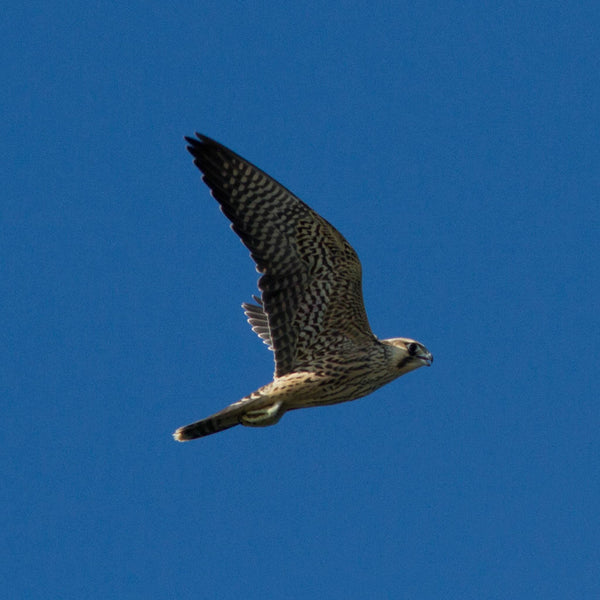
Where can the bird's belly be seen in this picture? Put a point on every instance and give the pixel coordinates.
(299, 390)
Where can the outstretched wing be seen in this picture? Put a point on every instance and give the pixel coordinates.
(311, 290)
(258, 320)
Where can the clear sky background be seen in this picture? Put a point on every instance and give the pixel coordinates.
(455, 145)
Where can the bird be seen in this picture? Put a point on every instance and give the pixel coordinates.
(310, 311)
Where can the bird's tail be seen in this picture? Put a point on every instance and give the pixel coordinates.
(259, 409)
(224, 419)
(200, 429)
(232, 415)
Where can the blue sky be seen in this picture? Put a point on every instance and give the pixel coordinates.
(455, 145)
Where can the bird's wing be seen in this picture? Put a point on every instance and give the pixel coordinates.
(258, 320)
(311, 292)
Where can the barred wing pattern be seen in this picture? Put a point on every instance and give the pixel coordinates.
(258, 320)
(311, 291)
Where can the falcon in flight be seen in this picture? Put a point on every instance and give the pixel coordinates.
(310, 311)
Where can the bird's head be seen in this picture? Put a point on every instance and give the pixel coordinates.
(408, 354)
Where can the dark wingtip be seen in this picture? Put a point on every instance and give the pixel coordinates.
(199, 139)
(196, 143)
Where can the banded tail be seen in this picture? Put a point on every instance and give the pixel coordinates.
(224, 419)
(252, 411)
(203, 428)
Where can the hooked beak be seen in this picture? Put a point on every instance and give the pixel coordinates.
(427, 358)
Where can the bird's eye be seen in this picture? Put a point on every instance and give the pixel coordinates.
(412, 348)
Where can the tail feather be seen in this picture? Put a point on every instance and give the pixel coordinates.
(224, 419)
(202, 428)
